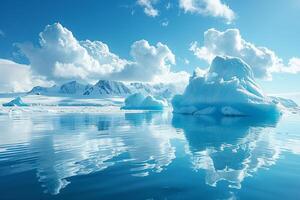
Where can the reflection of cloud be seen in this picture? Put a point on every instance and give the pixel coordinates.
(152, 149)
(63, 157)
(229, 149)
(65, 146)
(73, 149)
(59, 147)
(16, 129)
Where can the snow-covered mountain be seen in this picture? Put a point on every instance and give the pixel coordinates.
(106, 87)
(74, 87)
(101, 88)
(39, 90)
(143, 88)
(166, 91)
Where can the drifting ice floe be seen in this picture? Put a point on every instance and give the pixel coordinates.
(138, 101)
(228, 88)
(16, 102)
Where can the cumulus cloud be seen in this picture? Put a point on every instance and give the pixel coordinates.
(16, 77)
(148, 7)
(293, 66)
(230, 43)
(61, 56)
(263, 61)
(149, 61)
(214, 8)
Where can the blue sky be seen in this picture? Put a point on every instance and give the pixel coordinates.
(119, 23)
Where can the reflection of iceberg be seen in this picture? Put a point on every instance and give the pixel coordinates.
(80, 144)
(227, 148)
(57, 148)
(151, 147)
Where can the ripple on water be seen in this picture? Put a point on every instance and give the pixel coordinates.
(143, 148)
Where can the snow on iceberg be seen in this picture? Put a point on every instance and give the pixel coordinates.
(15, 102)
(228, 88)
(138, 101)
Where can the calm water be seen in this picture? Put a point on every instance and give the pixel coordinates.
(150, 155)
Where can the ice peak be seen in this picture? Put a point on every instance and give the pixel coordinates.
(228, 67)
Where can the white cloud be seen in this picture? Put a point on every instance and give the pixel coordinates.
(230, 43)
(16, 77)
(60, 56)
(214, 8)
(293, 66)
(165, 23)
(149, 61)
(148, 7)
(179, 80)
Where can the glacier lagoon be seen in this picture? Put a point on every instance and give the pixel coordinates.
(148, 155)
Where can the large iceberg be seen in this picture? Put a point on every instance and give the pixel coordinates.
(138, 101)
(228, 88)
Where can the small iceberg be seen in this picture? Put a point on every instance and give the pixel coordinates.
(15, 102)
(228, 88)
(138, 101)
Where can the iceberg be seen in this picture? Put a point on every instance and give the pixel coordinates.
(15, 102)
(138, 101)
(228, 88)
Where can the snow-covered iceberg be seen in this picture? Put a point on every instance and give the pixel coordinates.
(138, 101)
(16, 102)
(228, 88)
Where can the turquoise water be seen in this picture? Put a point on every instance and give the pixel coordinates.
(151, 155)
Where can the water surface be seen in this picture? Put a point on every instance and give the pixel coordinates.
(149, 155)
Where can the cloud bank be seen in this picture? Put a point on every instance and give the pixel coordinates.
(61, 56)
(214, 8)
(230, 43)
(16, 77)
